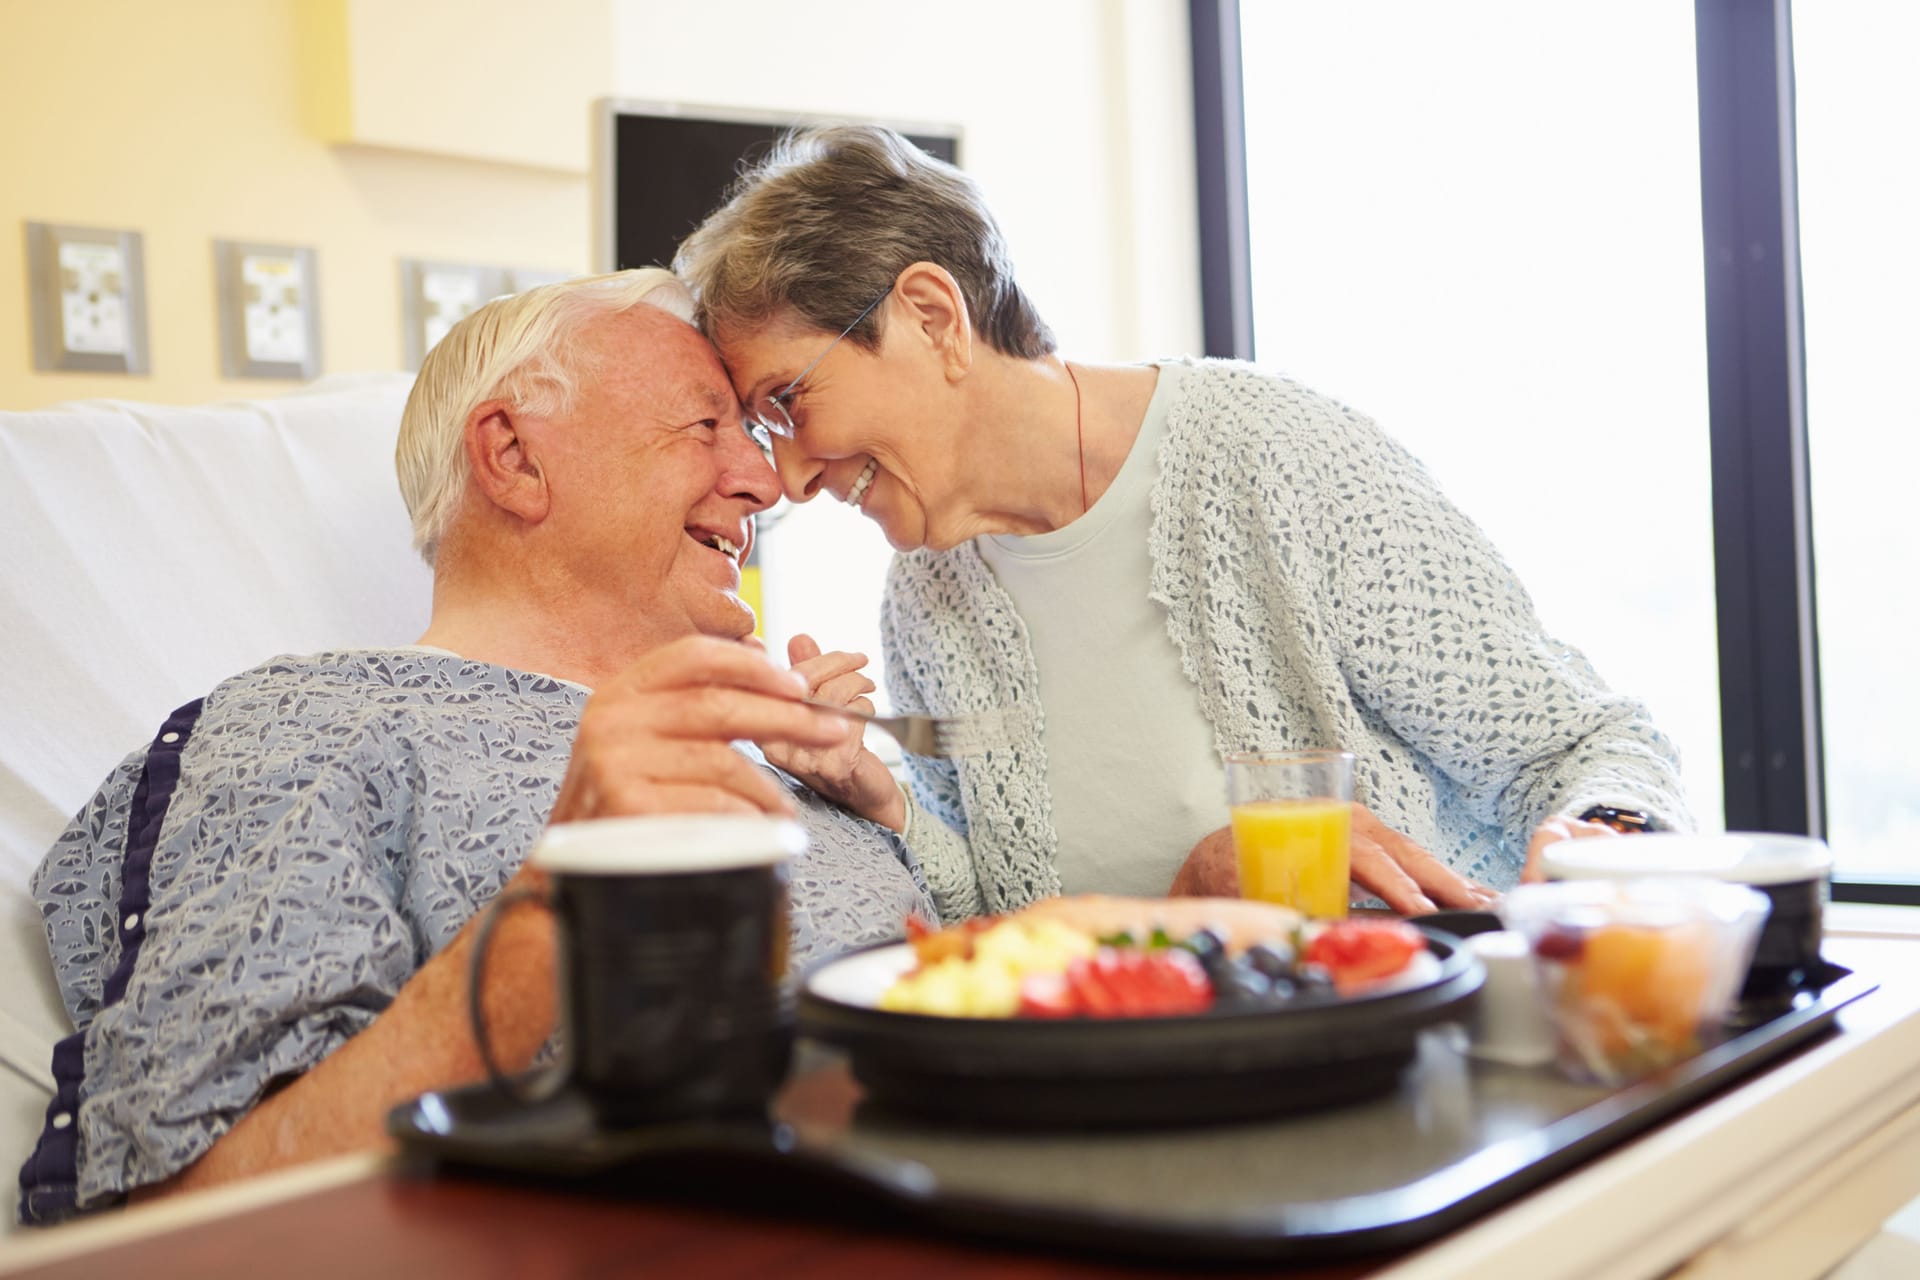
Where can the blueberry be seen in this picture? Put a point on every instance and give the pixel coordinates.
(1241, 987)
(1205, 942)
(1211, 951)
(1275, 960)
(1313, 979)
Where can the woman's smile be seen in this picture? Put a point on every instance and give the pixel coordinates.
(858, 494)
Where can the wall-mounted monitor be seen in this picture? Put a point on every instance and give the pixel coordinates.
(660, 169)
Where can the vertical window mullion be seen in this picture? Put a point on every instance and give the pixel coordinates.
(1763, 552)
(1220, 168)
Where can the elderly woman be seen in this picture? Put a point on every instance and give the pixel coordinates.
(1131, 570)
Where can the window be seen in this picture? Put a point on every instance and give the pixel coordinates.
(1461, 225)
(1857, 103)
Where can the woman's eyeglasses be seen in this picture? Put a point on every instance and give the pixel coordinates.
(769, 417)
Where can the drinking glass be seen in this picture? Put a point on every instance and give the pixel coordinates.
(1291, 823)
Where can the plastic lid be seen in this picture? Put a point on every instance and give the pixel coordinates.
(1757, 859)
(668, 845)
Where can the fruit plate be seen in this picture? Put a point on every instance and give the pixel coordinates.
(1088, 1073)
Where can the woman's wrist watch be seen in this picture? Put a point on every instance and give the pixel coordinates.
(1628, 822)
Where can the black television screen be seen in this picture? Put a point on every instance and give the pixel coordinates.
(660, 171)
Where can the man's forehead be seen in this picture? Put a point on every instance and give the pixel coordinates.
(704, 389)
(666, 359)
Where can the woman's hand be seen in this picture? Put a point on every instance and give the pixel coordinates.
(1383, 861)
(1406, 877)
(1552, 831)
(845, 772)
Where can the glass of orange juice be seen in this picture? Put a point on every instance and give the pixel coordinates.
(1291, 823)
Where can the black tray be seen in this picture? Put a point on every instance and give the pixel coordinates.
(1453, 1141)
(1089, 1073)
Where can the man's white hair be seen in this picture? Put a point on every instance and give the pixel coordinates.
(522, 349)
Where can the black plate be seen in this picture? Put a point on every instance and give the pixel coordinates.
(1453, 1142)
(1132, 1072)
(1461, 924)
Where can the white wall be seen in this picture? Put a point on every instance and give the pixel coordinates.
(1077, 114)
(1077, 119)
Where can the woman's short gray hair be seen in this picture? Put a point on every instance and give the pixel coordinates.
(830, 218)
(522, 349)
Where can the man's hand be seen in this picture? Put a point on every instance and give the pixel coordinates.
(1384, 862)
(1552, 831)
(844, 771)
(655, 738)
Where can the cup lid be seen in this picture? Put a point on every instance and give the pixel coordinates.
(679, 843)
(1757, 858)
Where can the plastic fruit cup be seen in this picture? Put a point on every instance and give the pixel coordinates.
(1792, 871)
(1636, 974)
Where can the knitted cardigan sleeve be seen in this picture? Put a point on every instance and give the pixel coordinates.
(936, 815)
(1439, 640)
(1322, 591)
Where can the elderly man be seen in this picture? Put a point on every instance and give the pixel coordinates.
(260, 921)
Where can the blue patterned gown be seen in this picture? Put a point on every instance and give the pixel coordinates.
(251, 889)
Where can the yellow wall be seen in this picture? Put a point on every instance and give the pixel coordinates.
(183, 120)
(475, 78)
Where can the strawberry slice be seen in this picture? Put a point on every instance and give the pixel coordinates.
(1358, 952)
(1098, 988)
(1120, 984)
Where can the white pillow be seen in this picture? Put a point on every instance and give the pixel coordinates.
(154, 550)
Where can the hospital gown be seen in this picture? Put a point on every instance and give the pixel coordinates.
(249, 891)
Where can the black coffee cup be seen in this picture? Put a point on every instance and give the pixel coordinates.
(673, 938)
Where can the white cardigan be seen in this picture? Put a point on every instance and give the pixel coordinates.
(1320, 592)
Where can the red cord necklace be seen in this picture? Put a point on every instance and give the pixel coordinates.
(1079, 437)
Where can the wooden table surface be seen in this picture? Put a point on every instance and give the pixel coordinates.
(402, 1221)
(397, 1226)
